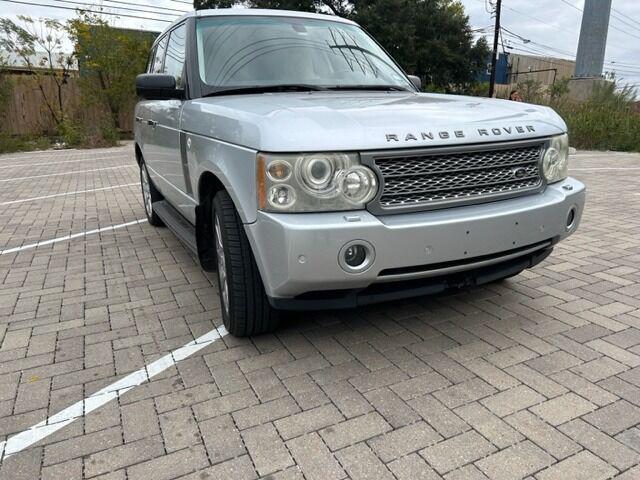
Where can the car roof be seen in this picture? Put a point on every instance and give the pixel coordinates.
(255, 12)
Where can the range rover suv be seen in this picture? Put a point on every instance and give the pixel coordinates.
(294, 157)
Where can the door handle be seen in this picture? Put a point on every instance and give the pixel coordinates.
(152, 123)
(138, 119)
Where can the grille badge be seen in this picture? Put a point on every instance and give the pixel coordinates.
(519, 172)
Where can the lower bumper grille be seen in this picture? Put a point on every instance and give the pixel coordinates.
(441, 177)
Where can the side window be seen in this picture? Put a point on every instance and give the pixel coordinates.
(156, 66)
(174, 61)
(152, 56)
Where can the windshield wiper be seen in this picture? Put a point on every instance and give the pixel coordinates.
(266, 89)
(375, 88)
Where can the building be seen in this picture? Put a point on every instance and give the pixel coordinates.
(502, 70)
(513, 68)
(545, 70)
(15, 64)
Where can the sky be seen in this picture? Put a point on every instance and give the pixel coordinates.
(539, 27)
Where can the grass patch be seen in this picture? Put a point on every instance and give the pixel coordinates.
(23, 143)
(70, 135)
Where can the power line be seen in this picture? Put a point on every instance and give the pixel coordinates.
(527, 41)
(146, 6)
(624, 15)
(60, 7)
(541, 21)
(136, 10)
(537, 53)
(544, 58)
(571, 5)
(614, 62)
(555, 27)
(612, 17)
(553, 49)
(615, 17)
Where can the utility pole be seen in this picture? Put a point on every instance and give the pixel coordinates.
(593, 38)
(494, 58)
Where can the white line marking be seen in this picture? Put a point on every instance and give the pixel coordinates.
(67, 193)
(112, 157)
(67, 173)
(602, 168)
(70, 237)
(25, 439)
(67, 152)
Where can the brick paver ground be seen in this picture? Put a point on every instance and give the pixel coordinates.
(537, 377)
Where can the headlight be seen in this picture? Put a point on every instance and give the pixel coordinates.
(313, 182)
(555, 163)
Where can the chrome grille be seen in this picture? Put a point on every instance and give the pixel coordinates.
(432, 180)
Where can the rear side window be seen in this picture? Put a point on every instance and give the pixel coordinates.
(174, 61)
(156, 63)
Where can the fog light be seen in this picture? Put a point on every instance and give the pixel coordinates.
(571, 218)
(356, 256)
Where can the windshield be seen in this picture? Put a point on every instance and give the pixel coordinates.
(253, 51)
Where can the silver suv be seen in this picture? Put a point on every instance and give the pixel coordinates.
(291, 154)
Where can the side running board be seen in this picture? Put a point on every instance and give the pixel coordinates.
(179, 225)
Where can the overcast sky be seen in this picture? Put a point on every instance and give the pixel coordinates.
(551, 26)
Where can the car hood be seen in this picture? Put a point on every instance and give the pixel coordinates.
(332, 121)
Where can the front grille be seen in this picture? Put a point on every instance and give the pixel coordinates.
(425, 180)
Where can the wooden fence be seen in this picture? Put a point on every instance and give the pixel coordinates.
(27, 112)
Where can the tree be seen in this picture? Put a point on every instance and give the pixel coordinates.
(38, 44)
(109, 60)
(429, 38)
(5, 90)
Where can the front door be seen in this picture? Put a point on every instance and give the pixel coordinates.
(166, 149)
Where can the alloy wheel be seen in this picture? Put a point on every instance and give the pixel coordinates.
(222, 268)
(146, 191)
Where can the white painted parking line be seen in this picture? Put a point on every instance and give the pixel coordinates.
(67, 173)
(77, 192)
(590, 169)
(25, 439)
(71, 237)
(15, 165)
(65, 153)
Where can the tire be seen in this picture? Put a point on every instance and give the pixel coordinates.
(150, 194)
(245, 307)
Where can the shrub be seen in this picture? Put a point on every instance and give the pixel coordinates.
(22, 143)
(82, 135)
(607, 121)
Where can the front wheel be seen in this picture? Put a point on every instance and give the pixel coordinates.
(245, 307)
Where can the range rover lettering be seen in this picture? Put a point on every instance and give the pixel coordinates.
(296, 159)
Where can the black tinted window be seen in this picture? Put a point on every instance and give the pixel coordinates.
(253, 50)
(152, 56)
(174, 61)
(156, 66)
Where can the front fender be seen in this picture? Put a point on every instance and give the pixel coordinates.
(233, 166)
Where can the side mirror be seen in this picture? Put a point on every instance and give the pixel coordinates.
(416, 81)
(157, 86)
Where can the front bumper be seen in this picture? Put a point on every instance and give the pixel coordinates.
(298, 253)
